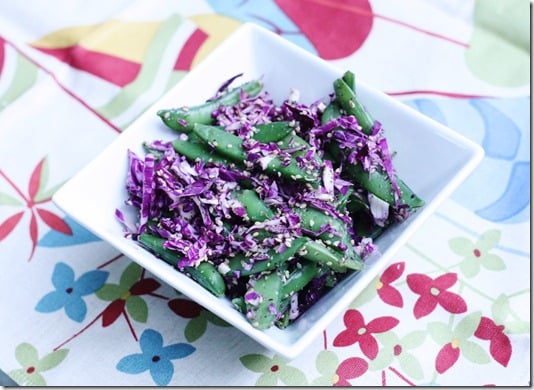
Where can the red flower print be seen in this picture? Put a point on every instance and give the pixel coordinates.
(185, 308)
(447, 356)
(358, 332)
(350, 368)
(500, 345)
(433, 292)
(386, 292)
(33, 200)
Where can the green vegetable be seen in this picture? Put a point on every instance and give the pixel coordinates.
(347, 100)
(198, 151)
(272, 131)
(205, 274)
(300, 277)
(230, 146)
(263, 313)
(317, 252)
(256, 209)
(241, 262)
(379, 184)
(182, 119)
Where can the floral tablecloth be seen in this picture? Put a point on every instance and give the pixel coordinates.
(452, 307)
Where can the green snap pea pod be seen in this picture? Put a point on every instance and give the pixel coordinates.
(284, 320)
(155, 245)
(379, 184)
(205, 274)
(331, 112)
(231, 146)
(317, 252)
(349, 78)
(225, 143)
(299, 278)
(257, 210)
(347, 99)
(275, 260)
(197, 150)
(262, 312)
(272, 131)
(312, 219)
(343, 199)
(239, 303)
(294, 141)
(182, 118)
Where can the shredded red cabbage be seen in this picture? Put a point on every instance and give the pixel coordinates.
(192, 204)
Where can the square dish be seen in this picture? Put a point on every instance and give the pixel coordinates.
(432, 159)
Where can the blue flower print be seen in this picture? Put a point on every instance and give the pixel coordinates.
(69, 292)
(154, 357)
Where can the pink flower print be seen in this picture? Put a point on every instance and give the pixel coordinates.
(500, 345)
(447, 356)
(433, 292)
(385, 290)
(350, 368)
(357, 331)
(457, 341)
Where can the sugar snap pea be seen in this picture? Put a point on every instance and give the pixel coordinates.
(257, 210)
(205, 274)
(313, 219)
(331, 112)
(272, 131)
(379, 184)
(317, 252)
(299, 278)
(262, 300)
(241, 262)
(347, 99)
(226, 144)
(182, 118)
(231, 146)
(194, 149)
(349, 78)
(198, 151)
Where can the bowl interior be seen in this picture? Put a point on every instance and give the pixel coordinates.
(432, 159)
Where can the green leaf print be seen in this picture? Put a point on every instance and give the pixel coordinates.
(130, 275)
(273, 370)
(326, 364)
(474, 353)
(8, 200)
(440, 332)
(500, 309)
(110, 292)
(477, 254)
(195, 328)
(292, 376)
(499, 49)
(414, 339)
(411, 366)
(32, 367)
(137, 308)
(467, 326)
(255, 362)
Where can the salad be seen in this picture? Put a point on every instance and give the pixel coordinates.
(269, 205)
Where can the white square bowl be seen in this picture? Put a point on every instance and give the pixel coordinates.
(432, 159)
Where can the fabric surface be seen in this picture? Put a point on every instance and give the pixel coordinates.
(452, 307)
